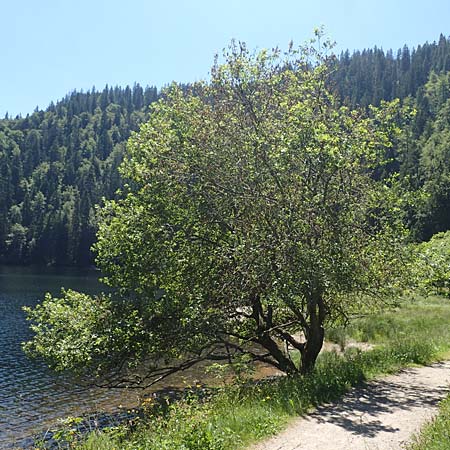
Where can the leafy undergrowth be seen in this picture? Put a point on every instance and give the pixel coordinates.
(436, 434)
(416, 333)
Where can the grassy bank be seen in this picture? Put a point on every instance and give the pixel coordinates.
(416, 333)
(417, 320)
(436, 434)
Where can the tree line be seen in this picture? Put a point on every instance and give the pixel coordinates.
(57, 164)
(55, 167)
(369, 76)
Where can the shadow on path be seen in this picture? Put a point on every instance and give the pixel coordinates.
(359, 412)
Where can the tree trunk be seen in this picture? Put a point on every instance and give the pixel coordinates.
(312, 348)
(264, 324)
(283, 362)
(314, 333)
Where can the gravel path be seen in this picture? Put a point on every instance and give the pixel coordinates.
(381, 415)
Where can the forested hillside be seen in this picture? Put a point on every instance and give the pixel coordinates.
(420, 78)
(57, 164)
(369, 76)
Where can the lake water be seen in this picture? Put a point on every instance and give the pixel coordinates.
(31, 397)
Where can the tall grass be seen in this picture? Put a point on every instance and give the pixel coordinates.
(416, 333)
(418, 320)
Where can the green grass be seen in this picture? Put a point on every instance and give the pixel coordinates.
(436, 434)
(416, 333)
(417, 320)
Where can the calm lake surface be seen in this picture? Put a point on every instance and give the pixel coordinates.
(31, 397)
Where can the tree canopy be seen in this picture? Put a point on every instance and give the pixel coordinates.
(253, 218)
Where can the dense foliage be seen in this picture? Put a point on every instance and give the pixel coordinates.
(253, 218)
(420, 79)
(57, 164)
(435, 264)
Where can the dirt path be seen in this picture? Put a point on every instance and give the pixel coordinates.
(381, 415)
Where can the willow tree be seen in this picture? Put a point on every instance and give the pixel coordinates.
(251, 221)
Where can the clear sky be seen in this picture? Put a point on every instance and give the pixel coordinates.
(51, 47)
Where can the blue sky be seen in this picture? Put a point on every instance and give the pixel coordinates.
(51, 47)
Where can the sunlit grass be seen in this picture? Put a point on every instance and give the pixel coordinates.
(436, 434)
(419, 320)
